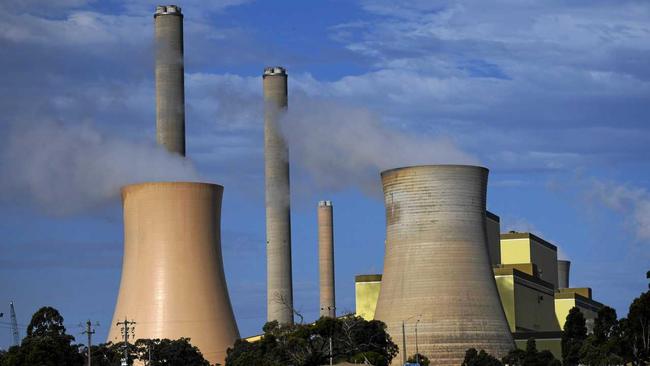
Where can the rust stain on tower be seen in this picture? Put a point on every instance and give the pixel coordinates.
(437, 270)
(173, 283)
(278, 217)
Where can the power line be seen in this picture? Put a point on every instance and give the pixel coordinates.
(125, 332)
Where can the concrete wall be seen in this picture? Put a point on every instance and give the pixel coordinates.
(563, 271)
(278, 216)
(170, 79)
(436, 267)
(493, 227)
(326, 259)
(545, 257)
(173, 284)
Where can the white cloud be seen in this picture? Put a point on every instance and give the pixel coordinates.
(632, 202)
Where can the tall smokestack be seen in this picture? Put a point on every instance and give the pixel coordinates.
(170, 87)
(326, 259)
(278, 219)
(563, 269)
(437, 271)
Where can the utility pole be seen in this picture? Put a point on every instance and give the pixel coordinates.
(126, 327)
(89, 332)
(417, 351)
(403, 344)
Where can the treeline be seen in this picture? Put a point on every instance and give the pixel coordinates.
(48, 344)
(353, 339)
(613, 341)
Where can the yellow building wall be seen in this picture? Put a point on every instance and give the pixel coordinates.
(506, 286)
(366, 295)
(546, 260)
(534, 310)
(563, 306)
(515, 251)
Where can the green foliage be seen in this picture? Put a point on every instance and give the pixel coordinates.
(46, 343)
(605, 346)
(353, 339)
(638, 329)
(530, 357)
(573, 337)
(109, 354)
(482, 358)
(418, 357)
(166, 352)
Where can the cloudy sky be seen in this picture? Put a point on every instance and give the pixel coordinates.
(552, 96)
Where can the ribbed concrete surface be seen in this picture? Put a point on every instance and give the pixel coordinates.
(326, 259)
(173, 284)
(170, 79)
(436, 267)
(563, 271)
(278, 219)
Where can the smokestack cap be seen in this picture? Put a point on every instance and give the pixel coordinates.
(275, 70)
(168, 10)
(324, 203)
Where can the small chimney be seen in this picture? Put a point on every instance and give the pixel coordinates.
(563, 269)
(326, 259)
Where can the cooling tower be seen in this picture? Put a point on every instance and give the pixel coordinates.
(436, 268)
(173, 282)
(563, 270)
(278, 220)
(326, 259)
(170, 93)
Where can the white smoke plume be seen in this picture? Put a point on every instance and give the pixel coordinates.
(64, 169)
(340, 145)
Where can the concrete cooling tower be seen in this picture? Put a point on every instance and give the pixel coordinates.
(170, 91)
(173, 283)
(278, 217)
(437, 274)
(563, 270)
(326, 259)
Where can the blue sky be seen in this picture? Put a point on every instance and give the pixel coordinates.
(552, 96)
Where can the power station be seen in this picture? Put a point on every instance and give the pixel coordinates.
(448, 270)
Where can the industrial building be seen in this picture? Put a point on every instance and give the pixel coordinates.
(533, 287)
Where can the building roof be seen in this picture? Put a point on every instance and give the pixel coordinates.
(367, 278)
(492, 216)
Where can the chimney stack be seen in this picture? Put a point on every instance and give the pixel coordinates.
(278, 218)
(170, 79)
(326, 259)
(563, 269)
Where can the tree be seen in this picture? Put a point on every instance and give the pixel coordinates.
(530, 357)
(46, 343)
(166, 352)
(108, 354)
(573, 337)
(353, 339)
(418, 357)
(482, 358)
(638, 329)
(605, 345)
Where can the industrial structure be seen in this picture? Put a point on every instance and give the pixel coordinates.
(437, 271)
(173, 283)
(277, 195)
(170, 79)
(525, 276)
(326, 259)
